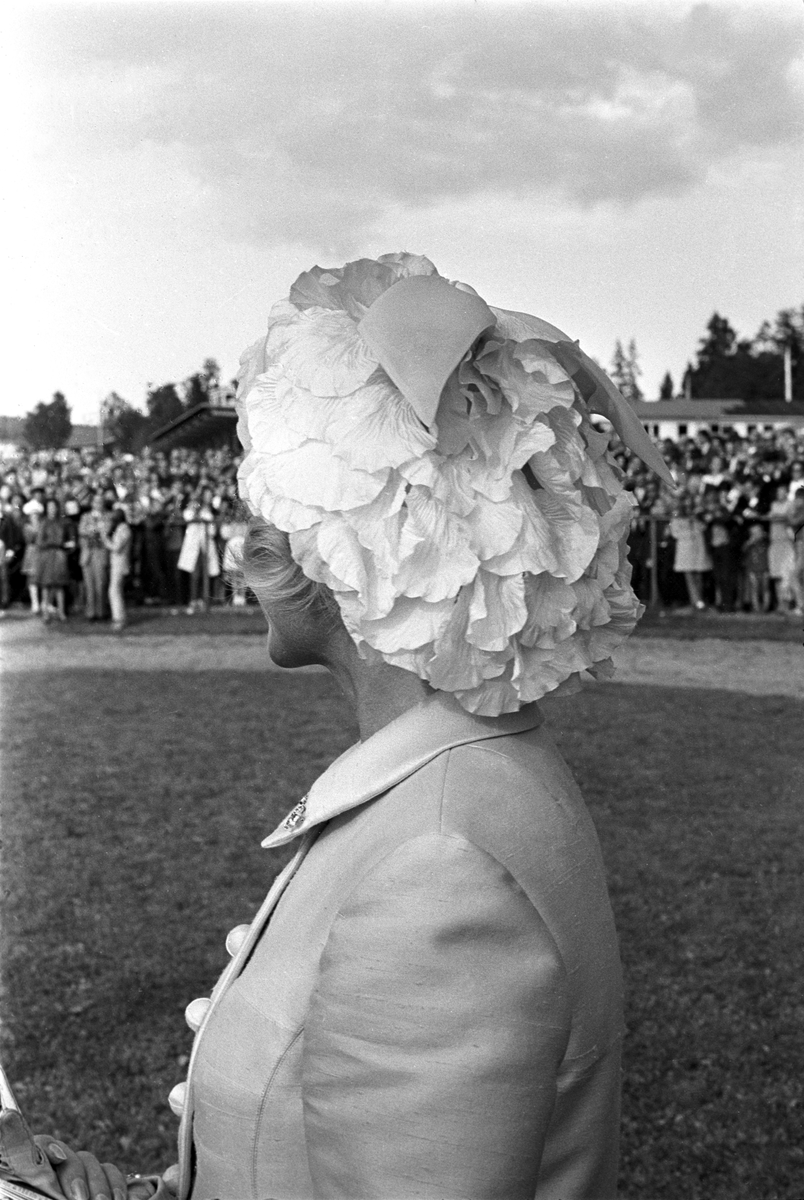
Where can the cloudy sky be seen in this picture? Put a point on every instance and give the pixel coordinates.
(619, 169)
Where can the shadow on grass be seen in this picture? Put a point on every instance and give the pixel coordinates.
(134, 807)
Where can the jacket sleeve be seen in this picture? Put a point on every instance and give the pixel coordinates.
(435, 1033)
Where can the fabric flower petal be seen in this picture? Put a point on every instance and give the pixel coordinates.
(497, 610)
(411, 623)
(322, 352)
(375, 427)
(312, 475)
(435, 552)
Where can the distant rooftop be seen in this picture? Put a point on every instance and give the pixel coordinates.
(715, 410)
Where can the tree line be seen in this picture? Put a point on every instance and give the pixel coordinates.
(49, 426)
(726, 367)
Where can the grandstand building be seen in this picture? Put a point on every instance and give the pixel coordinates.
(687, 418)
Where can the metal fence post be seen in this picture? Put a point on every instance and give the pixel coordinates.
(205, 569)
(655, 598)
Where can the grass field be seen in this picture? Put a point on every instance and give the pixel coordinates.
(674, 623)
(134, 806)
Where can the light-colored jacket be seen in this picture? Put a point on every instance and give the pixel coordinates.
(119, 545)
(429, 1002)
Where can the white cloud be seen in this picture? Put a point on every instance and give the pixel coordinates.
(305, 119)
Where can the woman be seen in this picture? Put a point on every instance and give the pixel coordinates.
(174, 540)
(428, 1003)
(93, 530)
(54, 539)
(118, 543)
(720, 533)
(782, 553)
(796, 525)
(691, 557)
(199, 555)
(30, 559)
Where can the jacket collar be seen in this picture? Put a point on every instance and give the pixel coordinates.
(369, 768)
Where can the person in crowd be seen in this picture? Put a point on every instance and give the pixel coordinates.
(55, 538)
(755, 567)
(118, 543)
(796, 523)
(74, 594)
(639, 554)
(30, 559)
(35, 502)
(429, 1002)
(714, 476)
(720, 532)
(199, 554)
(691, 556)
(155, 584)
(781, 552)
(12, 536)
(93, 530)
(175, 527)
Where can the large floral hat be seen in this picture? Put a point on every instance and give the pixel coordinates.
(434, 463)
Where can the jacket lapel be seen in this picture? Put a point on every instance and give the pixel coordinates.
(393, 753)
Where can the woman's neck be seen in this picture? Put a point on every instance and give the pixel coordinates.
(378, 692)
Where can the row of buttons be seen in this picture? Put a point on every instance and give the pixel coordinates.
(195, 1012)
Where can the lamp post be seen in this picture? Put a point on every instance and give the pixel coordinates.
(788, 374)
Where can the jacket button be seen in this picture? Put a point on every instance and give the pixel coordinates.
(177, 1097)
(195, 1012)
(236, 937)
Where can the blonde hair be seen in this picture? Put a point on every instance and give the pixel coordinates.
(264, 562)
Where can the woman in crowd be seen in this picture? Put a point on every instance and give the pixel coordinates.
(428, 1003)
(691, 555)
(174, 540)
(781, 552)
(796, 524)
(118, 543)
(720, 535)
(93, 530)
(30, 558)
(199, 554)
(755, 568)
(55, 538)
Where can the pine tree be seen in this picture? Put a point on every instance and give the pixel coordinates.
(666, 390)
(625, 370)
(634, 371)
(619, 367)
(720, 342)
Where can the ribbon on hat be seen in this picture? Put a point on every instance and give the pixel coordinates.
(597, 389)
(419, 330)
(603, 397)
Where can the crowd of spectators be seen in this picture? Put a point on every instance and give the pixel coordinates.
(80, 529)
(731, 535)
(84, 532)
